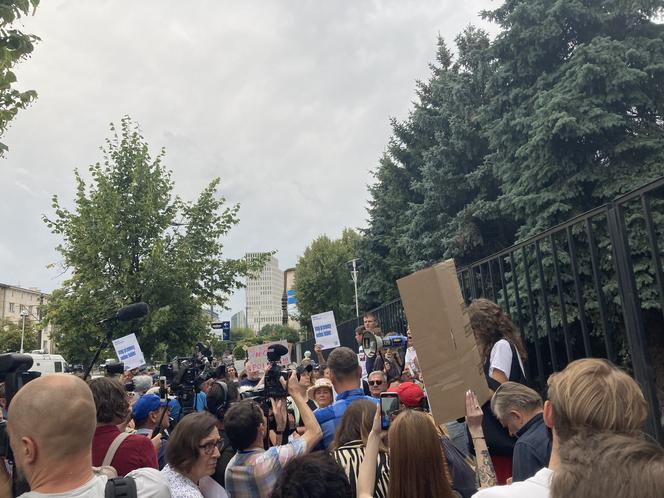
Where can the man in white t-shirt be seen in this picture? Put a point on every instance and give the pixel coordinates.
(588, 395)
(410, 360)
(361, 355)
(51, 424)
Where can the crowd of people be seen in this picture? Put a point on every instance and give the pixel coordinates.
(325, 436)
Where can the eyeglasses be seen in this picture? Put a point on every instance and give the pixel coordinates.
(376, 382)
(208, 448)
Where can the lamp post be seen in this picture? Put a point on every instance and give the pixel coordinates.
(353, 273)
(24, 313)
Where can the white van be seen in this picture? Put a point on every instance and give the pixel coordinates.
(47, 363)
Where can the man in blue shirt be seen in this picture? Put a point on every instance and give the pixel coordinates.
(345, 373)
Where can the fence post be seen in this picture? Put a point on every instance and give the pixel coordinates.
(634, 327)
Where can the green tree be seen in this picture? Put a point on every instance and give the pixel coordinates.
(15, 46)
(129, 239)
(279, 333)
(322, 280)
(10, 336)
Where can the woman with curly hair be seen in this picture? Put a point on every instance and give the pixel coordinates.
(503, 353)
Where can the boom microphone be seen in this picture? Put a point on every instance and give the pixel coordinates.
(136, 310)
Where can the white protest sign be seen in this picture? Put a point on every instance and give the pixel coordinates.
(325, 330)
(129, 351)
(257, 355)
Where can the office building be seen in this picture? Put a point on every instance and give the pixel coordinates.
(16, 300)
(264, 294)
(239, 320)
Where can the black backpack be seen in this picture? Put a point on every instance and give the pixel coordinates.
(120, 487)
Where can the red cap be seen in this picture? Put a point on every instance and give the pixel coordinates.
(410, 394)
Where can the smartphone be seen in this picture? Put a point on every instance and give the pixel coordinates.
(389, 406)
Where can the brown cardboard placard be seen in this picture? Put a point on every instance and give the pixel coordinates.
(444, 340)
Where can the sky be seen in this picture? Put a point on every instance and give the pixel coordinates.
(287, 101)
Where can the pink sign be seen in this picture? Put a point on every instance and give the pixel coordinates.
(257, 355)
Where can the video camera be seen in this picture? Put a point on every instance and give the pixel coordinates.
(185, 375)
(14, 372)
(113, 368)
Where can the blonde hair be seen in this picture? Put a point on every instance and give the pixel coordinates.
(417, 464)
(635, 467)
(593, 394)
(514, 396)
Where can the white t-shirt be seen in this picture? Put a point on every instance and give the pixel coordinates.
(409, 360)
(149, 484)
(533, 487)
(501, 358)
(362, 359)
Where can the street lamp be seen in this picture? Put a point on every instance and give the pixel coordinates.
(352, 265)
(24, 313)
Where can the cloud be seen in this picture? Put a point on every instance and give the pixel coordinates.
(287, 101)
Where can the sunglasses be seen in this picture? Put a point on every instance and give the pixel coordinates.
(376, 382)
(208, 448)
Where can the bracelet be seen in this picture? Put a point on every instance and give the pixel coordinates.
(478, 437)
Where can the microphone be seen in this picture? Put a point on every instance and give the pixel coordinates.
(130, 312)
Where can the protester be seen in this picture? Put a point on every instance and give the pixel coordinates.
(361, 355)
(220, 396)
(192, 455)
(411, 396)
(51, 423)
(417, 463)
(589, 395)
(410, 360)
(603, 464)
(253, 375)
(318, 349)
(345, 373)
(124, 452)
(231, 374)
(148, 412)
(312, 476)
(321, 393)
(253, 472)
(350, 442)
(502, 353)
(142, 383)
(520, 410)
(377, 383)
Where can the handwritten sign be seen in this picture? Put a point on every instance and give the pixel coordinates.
(257, 355)
(129, 351)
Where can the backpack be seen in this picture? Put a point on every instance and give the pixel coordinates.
(120, 487)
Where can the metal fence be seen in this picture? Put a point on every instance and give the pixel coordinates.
(590, 287)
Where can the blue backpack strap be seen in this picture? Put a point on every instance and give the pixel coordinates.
(120, 487)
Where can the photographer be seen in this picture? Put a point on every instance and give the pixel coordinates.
(253, 472)
(129, 451)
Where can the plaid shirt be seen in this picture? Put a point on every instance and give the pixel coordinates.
(253, 473)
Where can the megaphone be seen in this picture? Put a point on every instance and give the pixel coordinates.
(372, 343)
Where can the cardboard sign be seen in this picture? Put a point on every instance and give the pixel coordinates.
(129, 351)
(444, 340)
(257, 355)
(325, 330)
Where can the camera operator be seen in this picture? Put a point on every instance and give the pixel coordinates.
(122, 451)
(220, 395)
(253, 472)
(51, 426)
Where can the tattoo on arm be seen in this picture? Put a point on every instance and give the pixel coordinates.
(485, 472)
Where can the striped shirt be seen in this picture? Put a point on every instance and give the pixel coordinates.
(350, 456)
(253, 473)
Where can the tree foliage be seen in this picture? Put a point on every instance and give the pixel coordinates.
(561, 112)
(279, 333)
(10, 336)
(15, 46)
(322, 279)
(129, 239)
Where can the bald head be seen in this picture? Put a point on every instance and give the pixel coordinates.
(57, 412)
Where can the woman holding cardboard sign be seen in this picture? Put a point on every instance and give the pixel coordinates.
(502, 353)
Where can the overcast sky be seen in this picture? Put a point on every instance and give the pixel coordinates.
(287, 101)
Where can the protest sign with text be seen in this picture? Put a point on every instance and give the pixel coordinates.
(325, 330)
(129, 351)
(257, 355)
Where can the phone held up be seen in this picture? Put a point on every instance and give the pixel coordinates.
(389, 406)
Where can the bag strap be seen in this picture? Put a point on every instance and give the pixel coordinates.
(121, 487)
(114, 447)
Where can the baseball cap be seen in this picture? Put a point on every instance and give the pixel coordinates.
(144, 405)
(410, 394)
